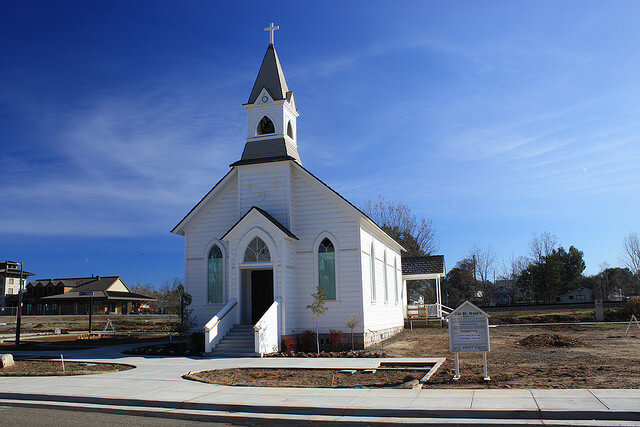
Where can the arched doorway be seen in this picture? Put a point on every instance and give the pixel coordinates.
(256, 281)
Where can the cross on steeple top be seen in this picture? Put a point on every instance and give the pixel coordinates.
(271, 29)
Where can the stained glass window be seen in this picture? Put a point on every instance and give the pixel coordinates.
(327, 268)
(215, 275)
(257, 251)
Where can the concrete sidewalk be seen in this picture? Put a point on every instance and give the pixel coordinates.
(156, 385)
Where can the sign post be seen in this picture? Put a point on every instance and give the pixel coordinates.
(90, 295)
(469, 333)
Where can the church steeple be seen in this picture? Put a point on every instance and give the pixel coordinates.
(270, 77)
(271, 114)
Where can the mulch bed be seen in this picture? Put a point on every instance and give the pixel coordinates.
(167, 349)
(28, 368)
(301, 377)
(546, 340)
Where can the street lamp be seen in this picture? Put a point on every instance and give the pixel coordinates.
(19, 310)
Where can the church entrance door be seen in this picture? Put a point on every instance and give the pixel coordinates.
(261, 293)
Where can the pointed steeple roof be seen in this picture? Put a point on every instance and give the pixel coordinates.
(270, 77)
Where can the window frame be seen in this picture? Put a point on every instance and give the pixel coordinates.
(335, 273)
(266, 116)
(372, 272)
(316, 267)
(223, 250)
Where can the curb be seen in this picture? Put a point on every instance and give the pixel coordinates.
(477, 414)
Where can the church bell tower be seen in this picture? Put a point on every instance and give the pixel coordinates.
(271, 114)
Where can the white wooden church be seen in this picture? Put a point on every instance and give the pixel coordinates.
(270, 232)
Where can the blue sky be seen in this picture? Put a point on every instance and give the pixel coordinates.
(491, 118)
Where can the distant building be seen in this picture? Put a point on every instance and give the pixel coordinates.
(580, 294)
(501, 296)
(10, 279)
(108, 294)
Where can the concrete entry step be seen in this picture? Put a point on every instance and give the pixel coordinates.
(238, 342)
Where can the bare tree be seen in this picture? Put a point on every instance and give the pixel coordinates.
(511, 270)
(417, 235)
(484, 258)
(542, 245)
(631, 252)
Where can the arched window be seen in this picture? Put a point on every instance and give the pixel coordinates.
(214, 276)
(373, 274)
(266, 126)
(290, 130)
(257, 251)
(327, 268)
(386, 282)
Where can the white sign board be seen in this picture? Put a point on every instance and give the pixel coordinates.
(468, 329)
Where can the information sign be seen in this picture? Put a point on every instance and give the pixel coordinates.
(468, 329)
(469, 332)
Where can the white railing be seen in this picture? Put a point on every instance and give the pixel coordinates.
(267, 330)
(219, 325)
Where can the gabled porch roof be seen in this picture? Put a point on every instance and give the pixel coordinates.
(267, 216)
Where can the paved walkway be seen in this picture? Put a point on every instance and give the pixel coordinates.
(156, 385)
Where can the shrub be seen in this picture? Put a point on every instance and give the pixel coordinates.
(335, 340)
(631, 307)
(195, 343)
(288, 344)
(308, 338)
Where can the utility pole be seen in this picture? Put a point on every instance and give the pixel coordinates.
(19, 311)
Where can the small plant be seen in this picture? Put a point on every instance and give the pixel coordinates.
(288, 344)
(307, 340)
(631, 307)
(351, 324)
(335, 340)
(318, 308)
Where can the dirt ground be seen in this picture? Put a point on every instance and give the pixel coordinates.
(77, 342)
(121, 323)
(602, 358)
(24, 368)
(309, 377)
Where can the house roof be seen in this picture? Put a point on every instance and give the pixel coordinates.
(97, 283)
(432, 264)
(10, 268)
(270, 77)
(265, 214)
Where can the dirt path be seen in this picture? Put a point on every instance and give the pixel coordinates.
(607, 359)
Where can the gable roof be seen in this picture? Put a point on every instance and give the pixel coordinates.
(270, 77)
(376, 226)
(268, 216)
(431, 264)
(209, 194)
(80, 284)
(194, 210)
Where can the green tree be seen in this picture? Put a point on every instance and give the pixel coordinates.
(553, 273)
(318, 308)
(459, 283)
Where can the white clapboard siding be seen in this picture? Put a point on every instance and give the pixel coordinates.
(378, 314)
(214, 219)
(266, 185)
(318, 210)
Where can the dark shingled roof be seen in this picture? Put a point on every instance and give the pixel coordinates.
(265, 150)
(98, 283)
(270, 77)
(432, 264)
(268, 216)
